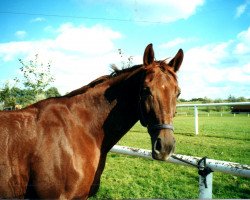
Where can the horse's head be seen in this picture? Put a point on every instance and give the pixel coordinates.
(158, 95)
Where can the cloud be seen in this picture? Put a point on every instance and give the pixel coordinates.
(37, 19)
(165, 10)
(148, 10)
(177, 42)
(9, 51)
(243, 47)
(85, 40)
(217, 70)
(78, 54)
(21, 34)
(241, 9)
(173, 43)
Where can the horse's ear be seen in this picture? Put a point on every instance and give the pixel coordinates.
(177, 60)
(148, 57)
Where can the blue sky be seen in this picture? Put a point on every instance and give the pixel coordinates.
(81, 39)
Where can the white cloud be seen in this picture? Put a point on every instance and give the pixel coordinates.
(217, 70)
(148, 10)
(38, 19)
(21, 34)
(243, 47)
(85, 40)
(173, 43)
(9, 51)
(78, 54)
(241, 9)
(165, 10)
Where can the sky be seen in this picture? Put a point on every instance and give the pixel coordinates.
(81, 38)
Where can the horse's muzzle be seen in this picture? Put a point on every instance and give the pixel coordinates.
(163, 146)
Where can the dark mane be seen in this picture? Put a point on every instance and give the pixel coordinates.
(86, 87)
(117, 72)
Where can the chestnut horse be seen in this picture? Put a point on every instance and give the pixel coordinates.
(57, 147)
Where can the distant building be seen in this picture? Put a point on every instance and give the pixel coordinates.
(240, 109)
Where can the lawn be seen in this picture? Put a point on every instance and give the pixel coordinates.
(222, 138)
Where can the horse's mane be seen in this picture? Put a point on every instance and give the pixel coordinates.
(86, 87)
(115, 72)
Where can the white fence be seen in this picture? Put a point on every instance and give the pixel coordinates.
(196, 121)
(205, 182)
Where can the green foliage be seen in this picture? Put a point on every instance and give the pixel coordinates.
(7, 96)
(231, 98)
(11, 96)
(52, 92)
(36, 78)
(36, 75)
(208, 100)
(221, 138)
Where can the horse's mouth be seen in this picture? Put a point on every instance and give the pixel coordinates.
(162, 156)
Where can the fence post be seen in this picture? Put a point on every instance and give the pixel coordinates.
(206, 192)
(196, 120)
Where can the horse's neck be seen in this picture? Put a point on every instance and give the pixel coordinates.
(123, 96)
(110, 108)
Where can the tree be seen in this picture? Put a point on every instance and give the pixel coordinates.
(128, 62)
(181, 100)
(36, 75)
(231, 98)
(52, 92)
(207, 100)
(218, 108)
(241, 99)
(7, 97)
(36, 78)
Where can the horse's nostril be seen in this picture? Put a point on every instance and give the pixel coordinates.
(158, 144)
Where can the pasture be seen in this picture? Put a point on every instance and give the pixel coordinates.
(222, 138)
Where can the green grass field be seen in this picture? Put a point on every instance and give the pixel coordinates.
(222, 138)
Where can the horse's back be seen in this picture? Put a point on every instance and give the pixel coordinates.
(17, 141)
(47, 149)
(75, 154)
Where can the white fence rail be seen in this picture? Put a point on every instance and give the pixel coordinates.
(205, 183)
(196, 120)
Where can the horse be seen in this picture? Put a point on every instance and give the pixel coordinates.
(57, 148)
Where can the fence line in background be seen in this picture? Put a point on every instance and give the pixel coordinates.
(205, 183)
(196, 120)
(220, 114)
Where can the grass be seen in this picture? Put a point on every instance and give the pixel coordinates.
(221, 138)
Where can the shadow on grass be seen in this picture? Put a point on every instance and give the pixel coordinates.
(185, 134)
(240, 188)
(226, 137)
(212, 136)
(137, 131)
